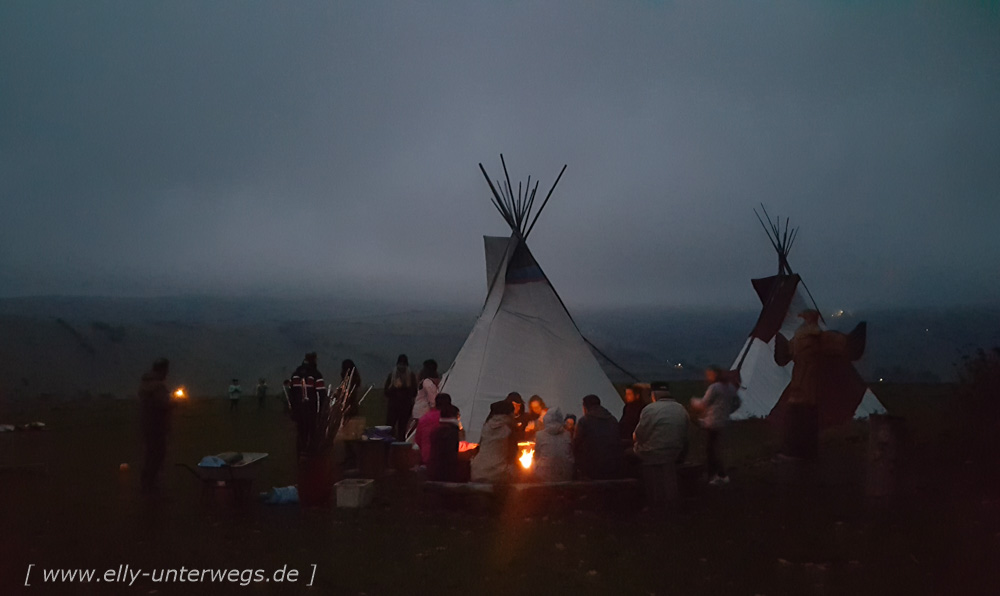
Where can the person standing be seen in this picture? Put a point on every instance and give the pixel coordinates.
(715, 408)
(805, 349)
(234, 394)
(305, 389)
(824, 390)
(661, 438)
(428, 382)
(596, 445)
(311, 412)
(630, 414)
(400, 392)
(261, 392)
(154, 412)
(427, 424)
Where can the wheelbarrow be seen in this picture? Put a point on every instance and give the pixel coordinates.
(229, 470)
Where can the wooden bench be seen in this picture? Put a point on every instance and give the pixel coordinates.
(519, 487)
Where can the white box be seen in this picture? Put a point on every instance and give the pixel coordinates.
(355, 492)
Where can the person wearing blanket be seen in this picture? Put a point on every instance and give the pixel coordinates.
(497, 445)
(553, 449)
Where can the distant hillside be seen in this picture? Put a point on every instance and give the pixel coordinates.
(72, 356)
(71, 347)
(903, 346)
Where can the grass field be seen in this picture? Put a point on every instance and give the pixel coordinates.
(773, 530)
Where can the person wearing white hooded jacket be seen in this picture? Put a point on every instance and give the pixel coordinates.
(553, 459)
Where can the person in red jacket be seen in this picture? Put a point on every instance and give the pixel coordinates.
(306, 390)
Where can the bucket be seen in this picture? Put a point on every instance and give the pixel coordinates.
(403, 457)
(315, 479)
(372, 456)
(355, 492)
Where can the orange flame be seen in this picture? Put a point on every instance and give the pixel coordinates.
(527, 454)
(180, 394)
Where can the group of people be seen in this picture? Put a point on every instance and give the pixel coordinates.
(409, 396)
(235, 392)
(312, 407)
(649, 441)
(596, 447)
(653, 437)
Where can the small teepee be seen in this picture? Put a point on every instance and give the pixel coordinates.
(783, 297)
(525, 340)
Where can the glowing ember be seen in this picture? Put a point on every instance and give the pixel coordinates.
(179, 394)
(464, 446)
(527, 454)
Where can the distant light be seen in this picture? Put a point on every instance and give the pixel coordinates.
(880, 379)
(927, 330)
(838, 313)
(678, 366)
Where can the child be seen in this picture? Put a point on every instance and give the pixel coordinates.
(234, 394)
(570, 424)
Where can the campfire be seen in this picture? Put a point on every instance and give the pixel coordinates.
(527, 454)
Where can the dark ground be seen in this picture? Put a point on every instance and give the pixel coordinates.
(774, 530)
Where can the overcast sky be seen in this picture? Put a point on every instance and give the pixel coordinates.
(297, 147)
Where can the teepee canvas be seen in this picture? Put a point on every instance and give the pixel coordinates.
(783, 297)
(525, 340)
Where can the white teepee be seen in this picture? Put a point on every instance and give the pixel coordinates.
(525, 339)
(783, 297)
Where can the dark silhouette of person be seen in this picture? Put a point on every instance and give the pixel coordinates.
(154, 411)
(261, 392)
(520, 416)
(825, 388)
(443, 462)
(630, 414)
(596, 444)
(400, 392)
(305, 391)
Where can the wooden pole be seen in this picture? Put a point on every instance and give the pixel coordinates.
(496, 195)
(545, 202)
(531, 201)
(507, 176)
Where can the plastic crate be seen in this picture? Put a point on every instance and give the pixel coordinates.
(355, 492)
